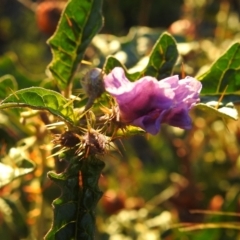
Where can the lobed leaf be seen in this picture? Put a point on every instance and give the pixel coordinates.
(42, 99)
(79, 23)
(74, 216)
(65, 207)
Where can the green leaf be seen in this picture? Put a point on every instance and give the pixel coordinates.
(15, 164)
(79, 23)
(42, 99)
(65, 207)
(7, 85)
(74, 210)
(162, 58)
(223, 78)
(224, 73)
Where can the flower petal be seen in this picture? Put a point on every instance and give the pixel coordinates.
(147, 103)
(116, 82)
(177, 117)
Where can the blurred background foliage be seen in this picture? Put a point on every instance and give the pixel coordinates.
(177, 185)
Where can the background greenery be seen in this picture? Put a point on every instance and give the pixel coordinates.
(151, 186)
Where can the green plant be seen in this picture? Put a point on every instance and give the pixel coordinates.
(89, 126)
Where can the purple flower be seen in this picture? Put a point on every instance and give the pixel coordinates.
(147, 103)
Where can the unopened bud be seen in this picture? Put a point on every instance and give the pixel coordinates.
(92, 83)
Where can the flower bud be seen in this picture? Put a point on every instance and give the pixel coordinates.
(92, 83)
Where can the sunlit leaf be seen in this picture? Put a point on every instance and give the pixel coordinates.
(223, 111)
(42, 99)
(16, 164)
(79, 23)
(224, 73)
